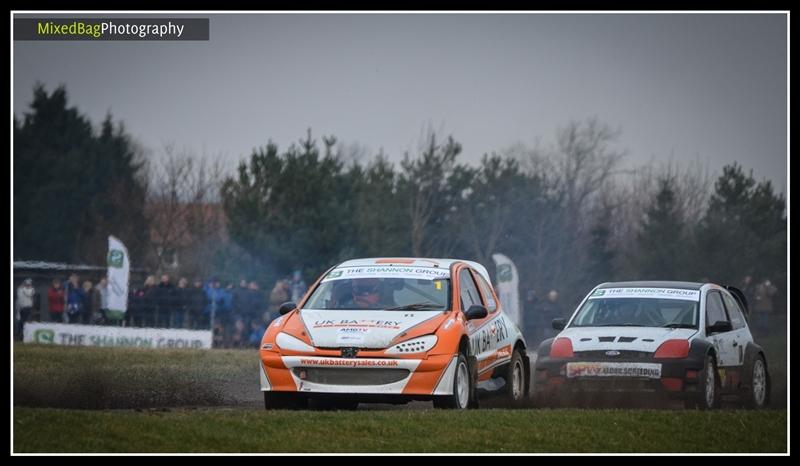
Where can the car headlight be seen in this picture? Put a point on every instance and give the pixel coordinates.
(286, 341)
(415, 345)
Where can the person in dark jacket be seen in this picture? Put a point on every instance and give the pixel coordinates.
(551, 309)
(197, 303)
(143, 306)
(181, 304)
(218, 310)
(748, 289)
(240, 305)
(256, 302)
(88, 309)
(257, 329)
(74, 299)
(163, 300)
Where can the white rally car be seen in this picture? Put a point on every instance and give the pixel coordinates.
(394, 330)
(686, 340)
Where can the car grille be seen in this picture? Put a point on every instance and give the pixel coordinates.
(347, 376)
(613, 385)
(622, 356)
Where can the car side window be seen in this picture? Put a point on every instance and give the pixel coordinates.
(737, 320)
(469, 292)
(715, 310)
(490, 303)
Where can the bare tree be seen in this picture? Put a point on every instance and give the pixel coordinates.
(575, 171)
(183, 207)
(633, 192)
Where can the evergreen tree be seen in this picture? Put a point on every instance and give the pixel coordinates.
(380, 214)
(743, 231)
(601, 254)
(72, 186)
(662, 240)
(423, 188)
(291, 210)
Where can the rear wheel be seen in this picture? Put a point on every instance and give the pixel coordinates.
(284, 400)
(463, 388)
(516, 378)
(757, 395)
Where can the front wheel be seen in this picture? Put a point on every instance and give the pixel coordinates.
(708, 396)
(462, 388)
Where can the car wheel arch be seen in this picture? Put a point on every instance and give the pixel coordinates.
(544, 347)
(463, 345)
(753, 351)
(700, 348)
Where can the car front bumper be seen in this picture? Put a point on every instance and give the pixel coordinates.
(369, 376)
(677, 378)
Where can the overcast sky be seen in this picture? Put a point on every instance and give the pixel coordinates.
(684, 86)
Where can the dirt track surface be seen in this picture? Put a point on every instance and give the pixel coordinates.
(123, 378)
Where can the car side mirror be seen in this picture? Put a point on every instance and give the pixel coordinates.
(476, 311)
(286, 307)
(720, 326)
(560, 323)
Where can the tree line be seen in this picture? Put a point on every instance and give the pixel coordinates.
(570, 214)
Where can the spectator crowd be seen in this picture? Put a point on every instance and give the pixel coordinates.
(237, 314)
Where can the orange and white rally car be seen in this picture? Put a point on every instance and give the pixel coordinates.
(392, 330)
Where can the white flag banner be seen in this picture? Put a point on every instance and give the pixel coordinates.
(508, 287)
(119, 268)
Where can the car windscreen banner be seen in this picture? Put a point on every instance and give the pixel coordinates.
(655, 293)
(391, 271)
(119, 269)
(508, 287)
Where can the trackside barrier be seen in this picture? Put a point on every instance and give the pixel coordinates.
(131, 337)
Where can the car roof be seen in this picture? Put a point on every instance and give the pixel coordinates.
(654, 284)
(417, 262)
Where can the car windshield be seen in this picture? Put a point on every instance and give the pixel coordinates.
(381, 293)
(637, 312)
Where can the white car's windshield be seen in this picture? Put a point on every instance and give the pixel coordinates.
(370, 293)
(637, 312)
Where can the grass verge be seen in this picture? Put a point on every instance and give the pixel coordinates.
(500, 431)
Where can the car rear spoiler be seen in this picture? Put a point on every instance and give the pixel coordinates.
(737, 293)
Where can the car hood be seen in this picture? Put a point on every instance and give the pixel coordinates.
(361, 329)
(623, 338)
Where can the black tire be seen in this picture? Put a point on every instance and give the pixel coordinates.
(708, 394)
(758, 386)
(284, 400)
(463, 388)
(516, 380)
